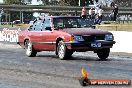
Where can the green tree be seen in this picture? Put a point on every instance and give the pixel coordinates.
(13, 1)
(123, 3)
(45, 2)
(69, 2)
(89, 2)
(76, 2)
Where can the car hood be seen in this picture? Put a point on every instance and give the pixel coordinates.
(85, 31)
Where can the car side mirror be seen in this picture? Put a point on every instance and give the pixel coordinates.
(30, 28)
(48, 28)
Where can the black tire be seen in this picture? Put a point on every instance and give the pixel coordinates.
(103, 53)
(30, 52)
(62, 51)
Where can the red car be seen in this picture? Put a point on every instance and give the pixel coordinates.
(65, 35)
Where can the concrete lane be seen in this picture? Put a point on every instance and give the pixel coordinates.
(46, 71)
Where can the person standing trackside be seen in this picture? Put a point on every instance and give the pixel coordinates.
(99, 16)
(96, 9)
(115, 12)
(84, 13)
(91, 13)
(100, 12)
(112, 4)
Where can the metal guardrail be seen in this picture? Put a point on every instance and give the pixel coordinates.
(7, 23)
(55, 7)
(65, 11)
(59, 9)
(41, 7)
(62, 9)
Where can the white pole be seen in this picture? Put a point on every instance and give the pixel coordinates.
(0, 19)
(79, 2)
(22, 17)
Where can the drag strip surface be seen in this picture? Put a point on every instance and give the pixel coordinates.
(47, 71)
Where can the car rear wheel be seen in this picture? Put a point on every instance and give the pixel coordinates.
(103, 53)
(63, 52)
(30, 52)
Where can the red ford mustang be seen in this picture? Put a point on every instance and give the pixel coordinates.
(65, 35)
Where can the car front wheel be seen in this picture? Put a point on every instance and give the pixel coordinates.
(63, 52)
(103, 53)
(30, 52)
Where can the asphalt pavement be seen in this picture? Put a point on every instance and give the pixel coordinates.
(47, 71)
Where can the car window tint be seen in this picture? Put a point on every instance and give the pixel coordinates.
(58, 22)
(85, 22)
(33, 27)
(36, 26)
(46, 25)
(72, 22)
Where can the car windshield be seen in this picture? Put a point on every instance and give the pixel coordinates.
(72, 22)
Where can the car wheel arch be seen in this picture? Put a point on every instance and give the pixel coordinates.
(25, 41)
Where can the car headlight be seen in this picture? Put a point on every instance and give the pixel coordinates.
(78, 38)
(109, 37)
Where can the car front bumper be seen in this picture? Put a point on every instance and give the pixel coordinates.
(89, 46)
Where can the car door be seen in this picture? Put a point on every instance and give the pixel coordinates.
(47, 33)
(35, 35)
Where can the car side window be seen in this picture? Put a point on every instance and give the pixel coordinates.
(58, 23)
(32, 28)
(46, 25)
(36, 26)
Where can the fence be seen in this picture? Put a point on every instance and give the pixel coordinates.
(58, 10)
(6, 23)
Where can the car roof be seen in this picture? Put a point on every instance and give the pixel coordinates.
(60, 17)
(64, 16)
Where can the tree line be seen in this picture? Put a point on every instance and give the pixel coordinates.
(121, 3)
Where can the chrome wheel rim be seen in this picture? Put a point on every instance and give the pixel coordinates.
(61, 51)
(29, 48)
